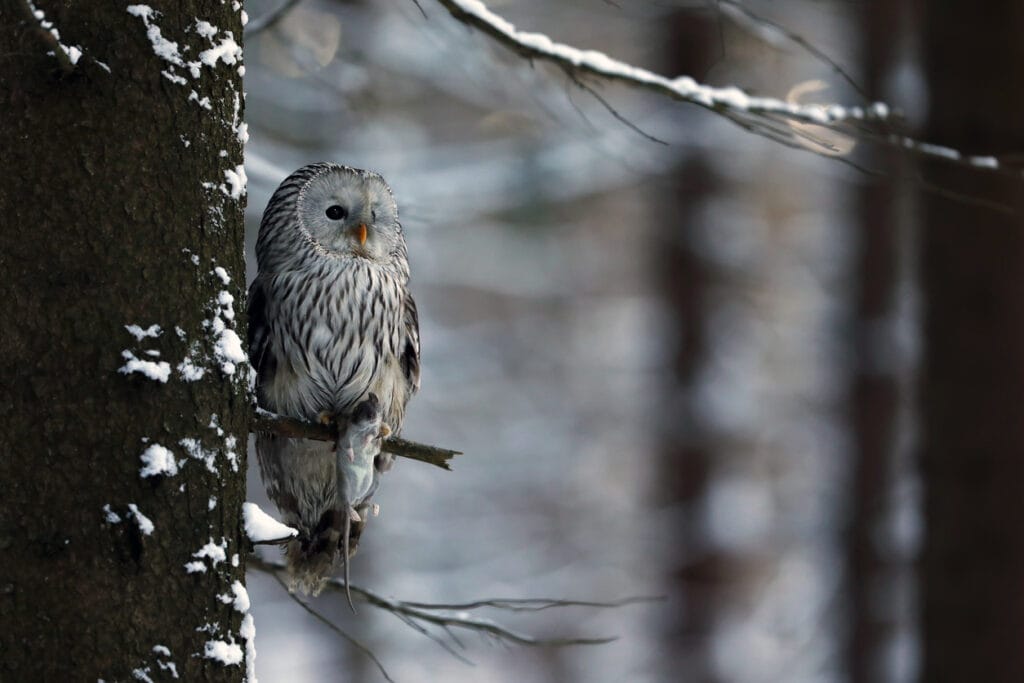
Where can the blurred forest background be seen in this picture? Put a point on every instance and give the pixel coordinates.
(692, 369)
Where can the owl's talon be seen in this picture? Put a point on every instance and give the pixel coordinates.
(385, 430)
(353, 515)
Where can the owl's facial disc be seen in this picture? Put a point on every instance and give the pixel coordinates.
(351, 214)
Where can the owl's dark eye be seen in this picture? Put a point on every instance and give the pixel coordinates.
(335, 212)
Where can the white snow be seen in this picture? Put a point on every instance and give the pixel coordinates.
(213, 552)
(73, 52)
(236, 182)
(195, 567)
(226, 653)
(984, 162)
(229, 348)
(162, 650)
(145, 525)
(241, 601)
(206, 29)
(158, 460)
(140, 334)
(162, 48)
(196, 450)
(189, 371)
(261, 527)
(227, 51)
(204, 102)
(222, 274)
(683, 87)
(248, 632)
(159, 371)
(110, 516)
(211, 503)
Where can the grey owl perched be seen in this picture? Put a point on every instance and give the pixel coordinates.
(332, 326)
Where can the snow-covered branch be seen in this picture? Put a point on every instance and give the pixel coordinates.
(802, 126)
(265, 421)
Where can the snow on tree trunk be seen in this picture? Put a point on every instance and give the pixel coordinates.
(972, 390)
(123, 408)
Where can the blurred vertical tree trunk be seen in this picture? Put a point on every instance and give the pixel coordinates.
(972, 391)
(874, 388)
(686, 460)
(107, 223)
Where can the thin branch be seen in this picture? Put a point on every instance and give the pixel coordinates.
(45, 32)
(334, 627)
(271, 18)
(265, 421)
(741, 15)
(416, 614)
(611, 110)
(535, 604)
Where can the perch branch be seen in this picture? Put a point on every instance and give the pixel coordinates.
(265, 421)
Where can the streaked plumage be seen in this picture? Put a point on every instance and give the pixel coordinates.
(331, 321)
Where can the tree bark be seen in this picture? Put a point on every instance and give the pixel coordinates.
(875, 386)
(972, 389)
(116, 210)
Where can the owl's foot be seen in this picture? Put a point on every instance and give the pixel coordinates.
(385, 430)
(354, 515)
(383, 461)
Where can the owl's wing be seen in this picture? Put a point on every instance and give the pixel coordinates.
(411, 346)
(260, 355)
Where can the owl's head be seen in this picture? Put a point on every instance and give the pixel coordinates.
(350, 212)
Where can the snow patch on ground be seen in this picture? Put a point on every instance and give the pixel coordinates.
(261, 527)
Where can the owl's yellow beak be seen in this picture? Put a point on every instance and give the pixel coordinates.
(360, 233)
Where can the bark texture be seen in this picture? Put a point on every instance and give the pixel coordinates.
(106, 222)
(972, 392)
(875, 385)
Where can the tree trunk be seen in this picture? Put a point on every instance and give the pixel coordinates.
(116, 209)
(973, 385)
(875, 385)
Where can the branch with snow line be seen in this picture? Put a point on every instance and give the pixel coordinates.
(783, 121)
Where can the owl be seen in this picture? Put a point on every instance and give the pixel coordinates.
(332, 328)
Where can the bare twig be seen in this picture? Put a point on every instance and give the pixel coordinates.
(455, 616)
(742, 15)
(334, 627)
(265, 421)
